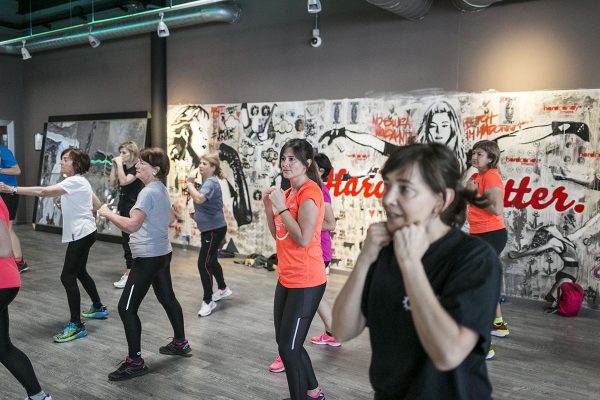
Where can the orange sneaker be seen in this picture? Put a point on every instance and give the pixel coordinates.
(325, 339)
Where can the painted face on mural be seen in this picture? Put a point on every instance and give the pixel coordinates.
(480, 159)
(440, 128)
(408, 199)
(291, 167)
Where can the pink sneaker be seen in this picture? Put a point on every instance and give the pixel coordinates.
(325, 339)
(276, 365)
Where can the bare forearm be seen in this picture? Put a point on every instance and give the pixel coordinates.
(39, 191)
(125, 224)
(271, 222)
(14, 171)
(347, 319)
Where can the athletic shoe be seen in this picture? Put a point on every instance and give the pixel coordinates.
(326, 270)
(325, 339)
(277, 365)
(206, 309)
(221, 294)
(48, 397)
(500, 330)
(320, 396)
(96, 313)
(129, 369)
(71, 331)
(22, 265)
(120, 284)
(176, 349)
(490, 354)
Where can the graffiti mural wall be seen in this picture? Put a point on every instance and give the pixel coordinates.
(550, 144)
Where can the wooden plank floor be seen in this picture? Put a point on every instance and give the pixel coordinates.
(545, 357)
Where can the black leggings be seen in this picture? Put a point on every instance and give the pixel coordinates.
(496, 239)
(208, 263)
(147, 271)
(125, 242)
(75, 268)
(293, 312)
(15, 361)
(126, 250)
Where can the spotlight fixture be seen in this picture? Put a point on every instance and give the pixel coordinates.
(162, 30)
(94, 41)
(314, 6)
(24, 52)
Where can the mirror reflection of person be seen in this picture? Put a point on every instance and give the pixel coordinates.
(123, 173)
(426, 290)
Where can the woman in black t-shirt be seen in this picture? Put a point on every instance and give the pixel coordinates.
(123, 173)
(426, 290)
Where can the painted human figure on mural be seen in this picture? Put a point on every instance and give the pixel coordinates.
(549, 239)
(440, 124)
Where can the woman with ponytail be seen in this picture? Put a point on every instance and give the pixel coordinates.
(295, 218)
(426, 290)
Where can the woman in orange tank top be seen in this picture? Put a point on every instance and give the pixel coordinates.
(295, 218)
(487, 221)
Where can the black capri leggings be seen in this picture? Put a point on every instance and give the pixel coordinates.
(15, 361)
(75, 268)
(146, 272)
(293, 312)
(496, 239)
(208, 263)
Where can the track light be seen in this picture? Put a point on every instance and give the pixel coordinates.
(162, 30)
(314, 6)
(24, 52)
(94, 41)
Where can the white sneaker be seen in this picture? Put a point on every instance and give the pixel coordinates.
(206, 309)
(221, 294)
(120, 284)
(326, 270)
(48, 397)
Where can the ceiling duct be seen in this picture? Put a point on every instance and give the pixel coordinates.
(409, 9)
(132, 25)
(473, 5)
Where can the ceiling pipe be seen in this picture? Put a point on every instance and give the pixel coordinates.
(187, 14)
(473, 5)
(409, 9)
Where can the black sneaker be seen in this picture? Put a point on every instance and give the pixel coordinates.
(128, 369)
(22, 265)
(176, 349)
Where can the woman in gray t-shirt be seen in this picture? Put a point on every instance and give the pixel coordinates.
(148, 224)
(208, 206)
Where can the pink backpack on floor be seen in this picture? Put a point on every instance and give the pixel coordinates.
(570, 298)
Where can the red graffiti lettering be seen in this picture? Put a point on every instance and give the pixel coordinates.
(353, 187)
(514, 197)
(483, 125)
(395, 129)
(567, 108)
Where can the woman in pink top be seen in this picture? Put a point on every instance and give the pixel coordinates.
(11, 357)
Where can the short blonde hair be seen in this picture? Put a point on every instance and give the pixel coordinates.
(130, 147)
(213, 159)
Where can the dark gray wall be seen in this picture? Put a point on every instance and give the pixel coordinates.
(11, 95)
(530, 45)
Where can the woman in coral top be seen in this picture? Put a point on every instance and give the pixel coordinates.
(295, 218)
(487, 222)
(11, 357)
